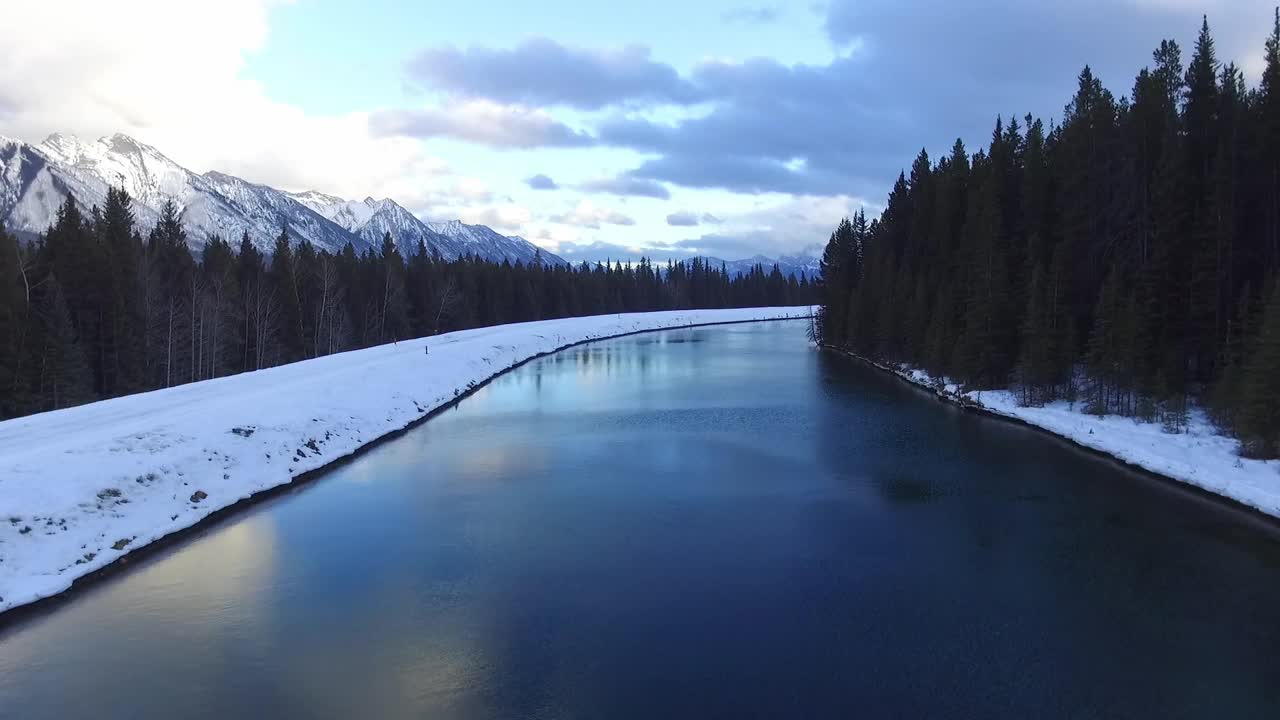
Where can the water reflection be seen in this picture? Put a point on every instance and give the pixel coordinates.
(700, 523)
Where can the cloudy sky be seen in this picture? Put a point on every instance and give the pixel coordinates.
(720, 127)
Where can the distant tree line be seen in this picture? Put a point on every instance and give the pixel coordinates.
(1126, 258)
(92, 310)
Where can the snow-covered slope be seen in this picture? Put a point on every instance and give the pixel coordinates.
(407, 230)
(81, 487)
(34, 180)
(212, 204)
(264, 210)
(486, 242)
(372, 219)
(1201, 456)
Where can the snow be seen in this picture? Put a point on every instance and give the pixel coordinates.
(1200, 456)
(81, 487)
(34, 179)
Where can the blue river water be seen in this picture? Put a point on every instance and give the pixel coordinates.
(702, 523)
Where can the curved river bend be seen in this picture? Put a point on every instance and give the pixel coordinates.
(716, 522)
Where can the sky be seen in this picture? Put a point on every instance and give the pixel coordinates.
(594, 129)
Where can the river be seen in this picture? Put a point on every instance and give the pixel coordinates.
(710, 522)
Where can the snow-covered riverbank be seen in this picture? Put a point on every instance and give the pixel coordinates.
(81, 487)
(1201, 456)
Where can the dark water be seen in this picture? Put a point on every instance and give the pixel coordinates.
(704, 523)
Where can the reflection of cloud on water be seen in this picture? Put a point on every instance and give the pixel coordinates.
(183, 616)
(214, 574)
(502, 462)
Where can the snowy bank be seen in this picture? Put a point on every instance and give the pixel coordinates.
(1201, 456)
(82, 487)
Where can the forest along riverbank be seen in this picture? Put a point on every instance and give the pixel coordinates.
(706, 522)
(85, 486)
(1199, 456)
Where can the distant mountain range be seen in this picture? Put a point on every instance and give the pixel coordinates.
(35, 179)
(789, 265)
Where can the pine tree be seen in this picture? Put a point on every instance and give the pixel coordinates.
(123, 342)
(65, 379)
(286, 289)
(1259, 419)
(1034, 370)
(16, 273)
(1268, 111)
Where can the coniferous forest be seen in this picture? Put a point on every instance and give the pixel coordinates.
(92, 310)
(1124, 257)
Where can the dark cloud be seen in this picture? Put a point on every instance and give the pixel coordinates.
(682, 219)
(541, 72)
(542, 182)
(915, 74)
(908, 75)
(628, 185)
(710, 219)
(483, 124)
(762, 15)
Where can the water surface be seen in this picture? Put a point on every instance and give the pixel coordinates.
(717, 522)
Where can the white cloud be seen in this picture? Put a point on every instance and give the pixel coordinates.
(483, 122)
(589, 215)
(169, 72)
(508, 218)
(474, 189)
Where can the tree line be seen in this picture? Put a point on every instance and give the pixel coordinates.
(92, 310)
(1125, 258)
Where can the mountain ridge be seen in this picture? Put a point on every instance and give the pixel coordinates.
(35, 178)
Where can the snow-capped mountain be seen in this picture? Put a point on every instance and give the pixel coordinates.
(789, 265)
(486, 242)
(35, 179)
(372, 219)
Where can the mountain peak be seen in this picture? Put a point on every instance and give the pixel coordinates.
(215, 203)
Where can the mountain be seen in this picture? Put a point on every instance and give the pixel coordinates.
(790, 265)
(34, 180)
(475, 239)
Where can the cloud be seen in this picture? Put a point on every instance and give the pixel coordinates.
(627, 185)
(509, 217)
(542, 72)
(906, 75)
(744, 15)
(482, 122)
(138, 67)
(600, 251)
(682, 218)
(589, 215)
(541, 182)
(710, 219)
(777, 226)
(473, 189)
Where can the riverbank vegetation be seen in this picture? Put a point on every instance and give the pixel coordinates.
(1125, 258)
(91, 310)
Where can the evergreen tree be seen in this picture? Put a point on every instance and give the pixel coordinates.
(1259, 420)
(64, 377)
